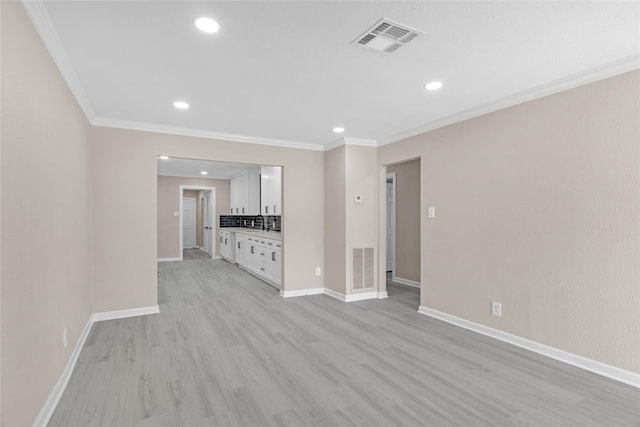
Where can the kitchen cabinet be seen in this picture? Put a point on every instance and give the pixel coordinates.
(244, 194)
(241, 249)
(271, 190)
(264, 259)
(227, 244)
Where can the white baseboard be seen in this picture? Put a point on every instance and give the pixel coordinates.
(301, 292)
(590, 365)
(361, 296)
(407, 282)
(122, 314)
(216, 257)
(58, 389)
(335, 294)
(355, 297)
(177, 258)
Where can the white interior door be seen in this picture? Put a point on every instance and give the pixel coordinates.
(391, 222)
(188, 222)
(205, 225)
(209, 219)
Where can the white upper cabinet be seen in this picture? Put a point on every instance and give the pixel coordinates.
(244, 194)
(271, 187)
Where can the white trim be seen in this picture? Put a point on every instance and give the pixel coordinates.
(301, 292)
(216, 257)
(39, 16)
(394, 178)
(58, 389)
(175, 258)
(198, 176)
(335, 294)
(624, 65)
(122, 314)
(361, 296)
(360, 141)
(406, 282)
(350, 141)
(197, 133)
(355, 297)
(590, 365)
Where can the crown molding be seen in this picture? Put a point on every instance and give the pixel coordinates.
(361, 142)
(350, 141)
(175, 130)
(181, 175)
(39, 16)
(624, 65)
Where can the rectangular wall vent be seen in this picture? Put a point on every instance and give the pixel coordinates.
(362, 268)
(387, 36)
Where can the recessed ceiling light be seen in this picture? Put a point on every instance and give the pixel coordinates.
(338, 129)
(204, 173)
(433, 86)
(164, 157)
(206, 25)
(181, 105)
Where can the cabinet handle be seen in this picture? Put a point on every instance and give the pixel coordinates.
(273, 256)
(274, 208)
(262, 268)
(238, 245)
(262, 254)
(252, 248)
(221, 240)
(226, 242)
(242, 210)
(231, 210)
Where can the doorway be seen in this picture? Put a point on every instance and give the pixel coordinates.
(204, 229)
(403, 231)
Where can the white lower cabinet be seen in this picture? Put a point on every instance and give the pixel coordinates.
(226, 245)
(241, 249)
(263, 257)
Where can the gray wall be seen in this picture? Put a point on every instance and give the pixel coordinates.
(46, 220)
(538, 207)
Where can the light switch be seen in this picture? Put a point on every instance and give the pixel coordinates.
(431, 212)
(357, 199)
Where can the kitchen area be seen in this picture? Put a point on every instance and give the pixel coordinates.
(250, 235)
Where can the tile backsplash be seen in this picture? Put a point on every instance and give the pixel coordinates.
(259, 221)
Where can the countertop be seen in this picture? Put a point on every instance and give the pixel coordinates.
(275, 235)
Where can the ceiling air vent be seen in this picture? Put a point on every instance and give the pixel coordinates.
(387, 36)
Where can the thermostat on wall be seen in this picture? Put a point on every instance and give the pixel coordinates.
(357, 199)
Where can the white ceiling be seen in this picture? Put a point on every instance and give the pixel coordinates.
(285, 73)
(192, 168)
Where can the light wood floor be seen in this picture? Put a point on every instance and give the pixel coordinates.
(226, 350)
(193, 254)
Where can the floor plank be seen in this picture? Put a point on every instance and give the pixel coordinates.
(226, 350)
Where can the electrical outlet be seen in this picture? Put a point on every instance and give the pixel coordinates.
(65, 338)
(496, 308)
(318, 271)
